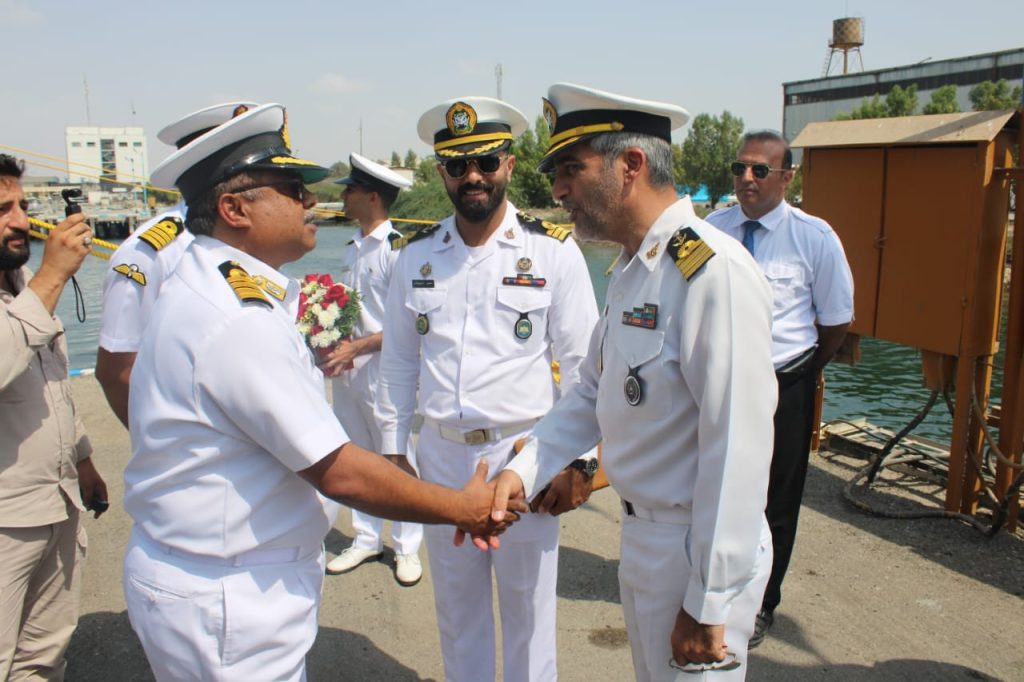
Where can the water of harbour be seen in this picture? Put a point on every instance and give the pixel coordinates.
(885, 387)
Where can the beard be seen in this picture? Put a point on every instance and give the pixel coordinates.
(594, 212)
(478, 211)
(13, 257)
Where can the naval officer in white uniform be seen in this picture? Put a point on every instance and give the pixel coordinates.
(479, 306)
(234, 446)
(678, 382)
(366, 266)
(142, 263)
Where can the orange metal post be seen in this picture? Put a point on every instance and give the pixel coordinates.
(1011, 428)
(958, 445)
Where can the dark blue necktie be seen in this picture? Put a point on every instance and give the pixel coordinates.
(749, 228)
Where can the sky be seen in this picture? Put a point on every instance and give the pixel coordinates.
(340, 67)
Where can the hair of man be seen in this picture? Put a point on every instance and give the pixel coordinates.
(202, 211)
(11, 167)
(771, 136)
(657, 151)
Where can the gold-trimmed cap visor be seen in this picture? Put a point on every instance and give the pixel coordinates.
(575, 113)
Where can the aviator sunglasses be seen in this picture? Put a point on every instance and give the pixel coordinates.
(760, 170)
(293, 189)
(456, 168)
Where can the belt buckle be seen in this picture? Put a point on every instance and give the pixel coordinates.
(475, 437)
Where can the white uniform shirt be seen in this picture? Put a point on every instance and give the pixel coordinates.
(226, 405)
(473, 370)
(701, 437)
(806, 267)
(128, 295)
(366, 266)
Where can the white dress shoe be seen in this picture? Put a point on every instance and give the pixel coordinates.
(352, 558)
(408, 569)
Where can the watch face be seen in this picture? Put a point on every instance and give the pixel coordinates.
(591, 467)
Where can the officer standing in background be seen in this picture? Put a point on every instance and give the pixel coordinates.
(812, 288)
(142, 263)
(479, 306)
(366, 266)
(678, 382)
(235, 449)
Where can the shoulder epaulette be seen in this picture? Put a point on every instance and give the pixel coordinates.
(544, 227)
(414, 236)
(243, 284)
(392, 236)
(162, 233)
(689, 251)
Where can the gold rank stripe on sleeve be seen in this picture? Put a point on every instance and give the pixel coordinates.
(244, 286)
(162, 233)
(689, 252)
(132, 272)
(542, 226)
(415, 236)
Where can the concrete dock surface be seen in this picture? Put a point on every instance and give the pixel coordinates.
(867, 597)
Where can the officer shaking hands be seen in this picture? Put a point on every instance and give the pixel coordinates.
(678, 382)
(235, 450)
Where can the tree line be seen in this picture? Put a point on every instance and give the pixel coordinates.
(701, 161)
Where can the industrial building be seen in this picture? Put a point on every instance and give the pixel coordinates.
(820, 99)
(106, 155)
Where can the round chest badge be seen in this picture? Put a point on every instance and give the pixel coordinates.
(524, 328)
(422, 324)
(633, 388)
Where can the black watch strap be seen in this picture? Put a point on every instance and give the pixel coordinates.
(587, 466)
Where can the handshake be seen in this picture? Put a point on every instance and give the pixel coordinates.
(493, 506)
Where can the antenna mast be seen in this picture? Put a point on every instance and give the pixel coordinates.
(497, 77)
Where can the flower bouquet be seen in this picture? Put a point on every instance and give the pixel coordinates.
(328, 312)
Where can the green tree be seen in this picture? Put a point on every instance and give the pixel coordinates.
(795, 188)
(869, 108)
(994, 95)
(338, 169)
(943, 101)
(707, 151)
(396, 160)
(425, 200)
(899, 102)
(530, 188)
(411, 161)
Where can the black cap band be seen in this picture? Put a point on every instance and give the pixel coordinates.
(631, 121)
(229, 161)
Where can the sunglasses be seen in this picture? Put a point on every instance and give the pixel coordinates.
(760, 170)
(293, 189)
(456, 168)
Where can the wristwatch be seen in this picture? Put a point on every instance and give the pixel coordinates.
(587, 466)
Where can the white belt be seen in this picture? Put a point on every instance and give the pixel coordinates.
(480, 436)
(675, 515)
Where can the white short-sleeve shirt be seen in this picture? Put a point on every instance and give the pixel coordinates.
(805, 264)
(137, 271)
(226, 405)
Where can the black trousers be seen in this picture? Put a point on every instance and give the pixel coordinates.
(794, 423)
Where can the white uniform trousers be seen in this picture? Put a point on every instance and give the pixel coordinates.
(654, 571)
(355, 413)
(526, 570)
(202, 618)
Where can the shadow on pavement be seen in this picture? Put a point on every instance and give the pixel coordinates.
(586, 576)
(994, 561)
(105, 648)
(895, 670)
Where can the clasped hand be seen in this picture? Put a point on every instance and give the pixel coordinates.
(493, 508)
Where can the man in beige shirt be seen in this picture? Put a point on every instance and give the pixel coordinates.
(45, 466)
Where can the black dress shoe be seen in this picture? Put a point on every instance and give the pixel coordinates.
(762, 624)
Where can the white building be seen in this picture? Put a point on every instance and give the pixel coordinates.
(106, 154)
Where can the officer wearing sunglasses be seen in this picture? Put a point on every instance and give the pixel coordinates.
(479, 305)
(813, 305)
